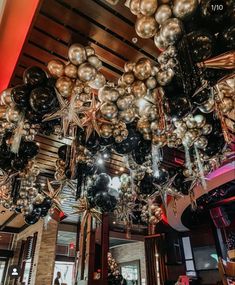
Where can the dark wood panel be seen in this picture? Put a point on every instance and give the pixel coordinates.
(81, 24)
(111, 22)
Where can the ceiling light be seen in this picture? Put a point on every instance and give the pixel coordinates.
(100, 161)
(121, 168)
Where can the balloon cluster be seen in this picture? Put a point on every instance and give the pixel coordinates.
(99, 195)
(81, 71)
(114, 275)
(151, 213)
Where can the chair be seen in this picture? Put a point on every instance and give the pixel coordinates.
(226, 270)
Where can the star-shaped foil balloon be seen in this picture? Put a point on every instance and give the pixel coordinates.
(92, 119)
(124, 211)
(83, 207)
(54, 195)
(166, 190)
(4, 193)
(68, 113)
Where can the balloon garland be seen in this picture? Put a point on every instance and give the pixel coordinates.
(181, 101)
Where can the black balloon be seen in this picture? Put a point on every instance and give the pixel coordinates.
(202, 96)
(180, 184)
(43, 100)
(31, 219)
(47, 203)
(146, 184)
(20, 95)
(130, 143)
(32, 117)
(141, 152)
(105, 201)
(228, 38)
(19, 163)
(201, 45)
(62, 152)
(102, 181)
(34, 76)
(163, 176)
(215, 144)
(28, 149)
(6, 156)
(179, 107)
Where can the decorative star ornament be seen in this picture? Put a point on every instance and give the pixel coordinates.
(54, 195)
(83, 207)
(124, 211)
(166, 190)
(68, 113)
(91, 118)
(4, 193)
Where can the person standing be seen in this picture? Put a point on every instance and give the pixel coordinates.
(57, 279)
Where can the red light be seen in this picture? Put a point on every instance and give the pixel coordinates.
(179, 161)
(71, 245)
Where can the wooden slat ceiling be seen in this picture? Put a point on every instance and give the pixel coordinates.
(108, 29)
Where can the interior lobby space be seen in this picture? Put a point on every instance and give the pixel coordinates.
(117, 142)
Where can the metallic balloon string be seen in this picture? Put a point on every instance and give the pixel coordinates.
(157, 157)
(18, 134)
(200, 168)
(188, 162)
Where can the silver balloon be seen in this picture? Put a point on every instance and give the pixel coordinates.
(207, 129)
(148, 7)
(163, 13)
(98, 82)
(12, 115)
(172, 30)
(95, 61)
(108, 93)
(182, 9)
(86, 72)
(151, 82)
(165, 77)
(159, 41)
(207, 107)
(125, 102)
(77, 54)
(171, 51)
(89, 51)
(201, 142)
(128, 115)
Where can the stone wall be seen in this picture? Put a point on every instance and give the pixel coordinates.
(131, 252)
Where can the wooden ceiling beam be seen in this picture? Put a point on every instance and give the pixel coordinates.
(8, 221)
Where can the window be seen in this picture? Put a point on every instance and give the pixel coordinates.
(67, 272)
(189, 261)
(131, 272)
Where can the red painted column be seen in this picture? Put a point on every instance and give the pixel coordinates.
(14, 26)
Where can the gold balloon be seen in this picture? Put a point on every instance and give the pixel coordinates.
(84, 97)
(226, 105)
(143, 125)
(108, 93)
(89, 51)
(159, 140)
(153, 220)
(128, 78)
(71, 71)
(128, 115)
(143, 68)
(77, 54)
(129, 66)
(56, 68)
(64, 85)
(38, 199)
(151, 82)
(98, 82)
(200, 120)
(109, 110)
(159, 41)
(191, 123)
(125, 102)
(148, 7)
(6, 97)
(95, 61)
(207, 129)
(12, 115)
(163, 13)
(171, 30)
(86, 72)
(165, 77)
(135, 7)
(146, 27)
(106, 130)
(182, 9)
(190, 136)
(139, 89)
(201, 142)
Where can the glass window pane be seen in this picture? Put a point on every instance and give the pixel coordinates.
(189, 265)
(187, 248)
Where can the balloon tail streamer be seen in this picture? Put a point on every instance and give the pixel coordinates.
(126, 159)
(193, 200)
(18, 135)
(200, 168)
(174, 208)
(156, 159)
(188, 162)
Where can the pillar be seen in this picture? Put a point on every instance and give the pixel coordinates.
(47, 254)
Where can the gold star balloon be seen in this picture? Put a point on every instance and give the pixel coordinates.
(92, 119)
(54, 195)
(83, 207)
(67, 113)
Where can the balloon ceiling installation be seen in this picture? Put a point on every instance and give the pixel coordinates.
(182, 101)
